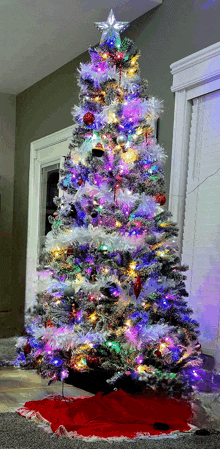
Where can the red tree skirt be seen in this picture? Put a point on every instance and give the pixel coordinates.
(117, 414)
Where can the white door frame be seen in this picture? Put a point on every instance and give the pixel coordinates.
(195, 75)
(57, 145)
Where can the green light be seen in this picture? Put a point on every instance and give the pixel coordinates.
(104, 248)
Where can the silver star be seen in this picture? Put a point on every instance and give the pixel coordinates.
(111, 30)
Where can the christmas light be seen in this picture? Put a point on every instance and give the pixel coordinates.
(130, 156)
(93, 317)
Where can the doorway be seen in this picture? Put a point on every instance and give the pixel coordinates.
(46, 159)
(195, 186)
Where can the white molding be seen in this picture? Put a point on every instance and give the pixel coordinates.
(198, 68)
(195, 75)
(39, 159)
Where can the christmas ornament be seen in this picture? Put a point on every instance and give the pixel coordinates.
(111, 29)
(181, 333)
(98, 150)
(49, 323)
(94, 214)
(93, 361)
(197, 346)
(88, 118)
(27, 349)
(69, 251)
(121, 139)
(137, 287)
(161, 199)
(150, 239)
(80, 182)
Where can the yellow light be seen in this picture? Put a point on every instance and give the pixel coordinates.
(118, 147)
(132, 265)
(130, 156)
(112, 117)
(97, 98)
(117, 224)
(131, 71)
(128, 323)
(139, 131)
(141, 368)
(163, 346)
(93, 317)
(105, 55)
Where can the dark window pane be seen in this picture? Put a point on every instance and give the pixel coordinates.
(52, 191)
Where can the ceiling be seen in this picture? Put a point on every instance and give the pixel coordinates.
(40, 36)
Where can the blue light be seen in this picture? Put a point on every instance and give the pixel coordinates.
(57, 362)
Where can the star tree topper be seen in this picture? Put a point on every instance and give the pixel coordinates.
(111, 30)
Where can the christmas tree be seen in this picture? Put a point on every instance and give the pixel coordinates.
(112, 289)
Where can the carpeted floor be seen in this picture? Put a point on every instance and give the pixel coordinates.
(17, 432)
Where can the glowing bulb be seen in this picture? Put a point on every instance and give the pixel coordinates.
(130, 156)
(117, 224)
(139, 131)
(132, 265)
(105, 55)
(128, 323)
(93, 317)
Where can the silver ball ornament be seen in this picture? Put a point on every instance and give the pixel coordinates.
(121, 139)
(150, 239)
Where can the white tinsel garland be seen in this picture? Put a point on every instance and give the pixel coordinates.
(87, 71)
(94, 237)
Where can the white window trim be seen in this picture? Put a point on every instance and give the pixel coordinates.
(195, 75)
(36, 164)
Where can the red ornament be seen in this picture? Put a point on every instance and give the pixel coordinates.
(69, 251)
(88, 118)
(161, 199)
(80, 182)
(93, 361)
(137, 287)
(157, 353)
(27, 349)
(119, 57)
(49, 323)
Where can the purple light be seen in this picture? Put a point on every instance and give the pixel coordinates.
(140, 359)
(64, 374)
(131, 333)
(79, 316)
